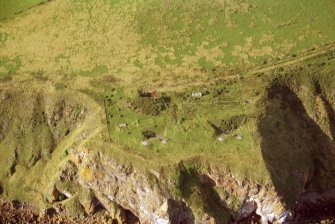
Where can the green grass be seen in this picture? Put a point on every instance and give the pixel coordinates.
(184, 26)
(156, 44)
(111, 49)
(36, 145)
(184, 120)
(10, 65)
(187, 123)
(164, 41)
(9, 8)
(98, 70)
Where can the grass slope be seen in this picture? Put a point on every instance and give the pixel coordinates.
(10, 8)
(112, 49)
(160, 42)
(142, 60)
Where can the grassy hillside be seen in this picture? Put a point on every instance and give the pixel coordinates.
(10, 8)
(40, 125)
(112, 50)
(264, 71)
(160, 43)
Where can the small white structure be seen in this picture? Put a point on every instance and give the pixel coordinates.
(239, 137)
(248, 101)
(123, 125)
(221, 138)
(165, 141)
(146, 143)
(197, 94)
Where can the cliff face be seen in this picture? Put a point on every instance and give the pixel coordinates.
(59, 159)
(44, 134)
(294, 142)
(297, 139)
(121, 188)
(132, 190)
(168, 111)
(54, 161)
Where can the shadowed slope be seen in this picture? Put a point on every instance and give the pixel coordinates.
(297, 152)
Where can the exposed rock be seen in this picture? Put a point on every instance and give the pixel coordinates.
(132, 191)
(252, 197)
(178, 212)
(87, 181)
(248, 206)
(285, 216)
(206, 180)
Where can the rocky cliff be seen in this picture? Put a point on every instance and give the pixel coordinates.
(59, 159)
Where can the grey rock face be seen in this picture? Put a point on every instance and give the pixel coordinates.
(133, 191)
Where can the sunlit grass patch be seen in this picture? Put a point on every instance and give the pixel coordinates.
(10, 8)
(183, 126)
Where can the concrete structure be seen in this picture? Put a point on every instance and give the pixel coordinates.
(196, 94)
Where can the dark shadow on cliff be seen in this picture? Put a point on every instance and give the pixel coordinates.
(328, 107)
(198, 191)
(179, 213)
(297, 153)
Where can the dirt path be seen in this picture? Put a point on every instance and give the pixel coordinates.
(259, 69)
(302, 57)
